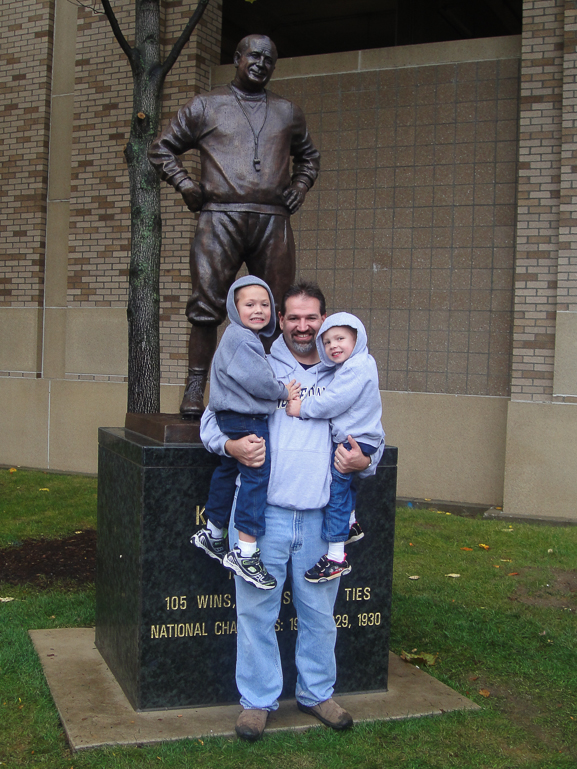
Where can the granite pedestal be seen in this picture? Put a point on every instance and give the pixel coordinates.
(165, 612)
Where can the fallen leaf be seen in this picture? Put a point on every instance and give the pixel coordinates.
(427, 500)
(419, 659)
(452, 575)
(411, 544)
(78, 532)
(415, 576)
(6, 600)
(485, 692)
(484, 547)
(496, 565)
(13, 470)
(506, 560)
(513, 574)
(467, 548)
(550, 550)
(43, 489)
(474, 678)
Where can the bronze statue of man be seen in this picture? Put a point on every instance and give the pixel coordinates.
(246, 136)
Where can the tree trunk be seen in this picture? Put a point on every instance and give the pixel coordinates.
(146, 226)
(143, 292)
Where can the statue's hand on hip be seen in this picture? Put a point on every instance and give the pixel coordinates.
(294, 196)
(192, 195)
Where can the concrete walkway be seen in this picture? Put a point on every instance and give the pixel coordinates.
(95, 712)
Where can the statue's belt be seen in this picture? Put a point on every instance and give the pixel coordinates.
(252, 208)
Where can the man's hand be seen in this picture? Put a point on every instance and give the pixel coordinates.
(352, 461)
(294, 196)
(192, 195)
(249, 450)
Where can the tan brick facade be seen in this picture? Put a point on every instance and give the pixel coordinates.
(25, 82)
(541, 99)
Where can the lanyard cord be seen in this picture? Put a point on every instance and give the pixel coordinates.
(255, 134)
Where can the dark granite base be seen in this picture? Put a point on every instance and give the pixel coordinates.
(165, 428)
(165, 618)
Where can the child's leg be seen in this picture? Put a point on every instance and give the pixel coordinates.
(251, 498)
(221, 496)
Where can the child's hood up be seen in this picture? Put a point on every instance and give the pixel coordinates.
(342, 319)
(250, 280)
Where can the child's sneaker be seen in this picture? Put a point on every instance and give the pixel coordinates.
(216, 548)
(250, 569)
(326, 569)
(355, 533)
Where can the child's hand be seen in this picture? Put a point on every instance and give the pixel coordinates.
(293, 407)
(294, 390)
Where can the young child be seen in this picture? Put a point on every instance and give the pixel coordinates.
(353, 404)
(243, 391)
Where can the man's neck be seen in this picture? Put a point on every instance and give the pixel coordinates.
(307, 360)
(247, 91)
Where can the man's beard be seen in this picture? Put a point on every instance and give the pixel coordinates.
(302, 348)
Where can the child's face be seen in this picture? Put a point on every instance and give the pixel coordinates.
(339, 342)
(253, 305)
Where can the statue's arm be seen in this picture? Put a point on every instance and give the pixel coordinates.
(178, 137)
(306, 162)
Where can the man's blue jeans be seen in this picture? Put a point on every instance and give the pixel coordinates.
(291, 544)
(251, 500)
(343, 498)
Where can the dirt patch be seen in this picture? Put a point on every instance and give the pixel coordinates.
(44, 562)
(560, 592)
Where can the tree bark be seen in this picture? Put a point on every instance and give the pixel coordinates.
(146, 226)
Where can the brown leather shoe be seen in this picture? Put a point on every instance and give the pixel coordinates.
(250, 724)
(329, 713)
(193, 402)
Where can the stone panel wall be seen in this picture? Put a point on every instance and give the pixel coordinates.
(411, 225)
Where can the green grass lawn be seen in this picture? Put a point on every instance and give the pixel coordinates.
(509, 632)
(36, 504)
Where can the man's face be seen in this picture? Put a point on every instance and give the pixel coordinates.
(300, 325)
(255, 65)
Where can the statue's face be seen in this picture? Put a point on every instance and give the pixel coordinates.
(255, 64)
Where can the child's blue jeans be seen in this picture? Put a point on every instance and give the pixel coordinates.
(343, 498)
(251, 500)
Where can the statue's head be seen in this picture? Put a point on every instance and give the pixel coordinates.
(255, 58)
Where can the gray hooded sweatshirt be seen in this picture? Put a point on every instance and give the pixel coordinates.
(300, 475)
(241, 378)
(352, 400)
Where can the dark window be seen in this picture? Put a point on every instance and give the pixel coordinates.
(306, 27)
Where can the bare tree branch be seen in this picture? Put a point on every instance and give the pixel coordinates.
(90, 6)
(183, 39)
(117, 31)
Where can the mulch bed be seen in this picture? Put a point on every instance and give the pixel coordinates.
(44, 562)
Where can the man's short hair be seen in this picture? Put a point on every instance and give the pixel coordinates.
(304, 288)
(245, 43)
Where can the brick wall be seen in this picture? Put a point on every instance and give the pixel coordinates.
(567, 266)
(99, 248)
(540, 127)
(25, 77)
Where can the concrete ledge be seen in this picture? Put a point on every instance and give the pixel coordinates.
(94, 711)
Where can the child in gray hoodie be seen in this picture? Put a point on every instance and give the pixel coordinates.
(243, 392)
(353, 404)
